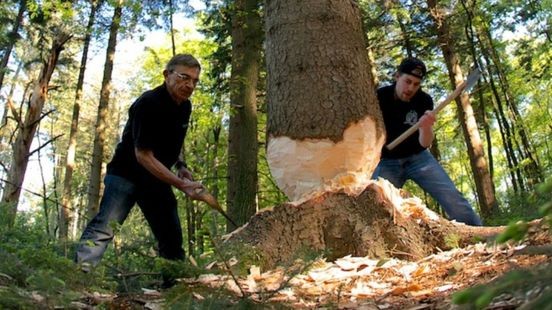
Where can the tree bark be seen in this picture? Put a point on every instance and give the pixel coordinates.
(324, 124)
(4, 127)
(325, 129)
(242, 136)
(378, 223)
(27, 130)
(100, 136)
(470, 35)
(171, 27)
(483, 182)
(13, 38)
(66, 214)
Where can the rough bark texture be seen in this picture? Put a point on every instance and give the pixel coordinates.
(481, 114)
(242, 140)
(318, 72)
(324, 122)
(378, 223)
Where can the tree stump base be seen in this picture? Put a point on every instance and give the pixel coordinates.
(377, 223)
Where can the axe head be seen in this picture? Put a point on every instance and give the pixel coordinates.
(472, 79)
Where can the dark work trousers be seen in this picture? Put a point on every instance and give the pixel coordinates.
(158, 204)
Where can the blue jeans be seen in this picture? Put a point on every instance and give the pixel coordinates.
(424, 169)
(157, 203)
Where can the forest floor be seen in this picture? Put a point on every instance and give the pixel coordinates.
(363, 283)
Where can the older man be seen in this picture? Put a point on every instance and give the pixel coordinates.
(140, 169)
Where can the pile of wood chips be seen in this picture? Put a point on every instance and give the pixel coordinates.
(357, 282)
(364, 283)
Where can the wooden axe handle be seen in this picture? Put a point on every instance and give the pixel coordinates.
(416, 126)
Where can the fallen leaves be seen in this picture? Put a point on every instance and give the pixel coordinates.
(391, 283)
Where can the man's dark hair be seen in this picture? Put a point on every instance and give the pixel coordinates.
(186, 60)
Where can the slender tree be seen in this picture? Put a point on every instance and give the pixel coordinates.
(242, 138)
(505, 121)
(66, 212)
(12, 38)
(100, 136)
(472, 43)
(531, 166)
(483, 181)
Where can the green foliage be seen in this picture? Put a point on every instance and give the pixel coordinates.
(545, 190)
(516, 207)
(34, 274)
(481, 295)
(245, 255)
(515, 231)
(182, 297)
(177, 269)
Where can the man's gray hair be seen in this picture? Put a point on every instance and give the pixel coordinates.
(186, 60)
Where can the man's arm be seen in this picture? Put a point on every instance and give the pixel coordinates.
(147, 160)
(426, 129)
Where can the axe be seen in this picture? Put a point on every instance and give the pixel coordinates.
(208, 198)
(466, 85)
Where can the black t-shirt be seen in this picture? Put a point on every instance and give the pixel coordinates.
(398, 116)
(157, 123)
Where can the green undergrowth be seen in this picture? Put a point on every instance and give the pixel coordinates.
(240, 259)
(34, 273)
(537, 281)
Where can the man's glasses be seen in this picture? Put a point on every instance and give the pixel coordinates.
(185, 78)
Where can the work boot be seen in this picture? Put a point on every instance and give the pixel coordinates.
(85, 267)
(168, 282)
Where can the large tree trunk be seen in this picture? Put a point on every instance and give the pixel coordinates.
(325, 136)
(482, 177)
(100, 136)
(324, 124)
(27, 129)
(66, 212)
(242, 136)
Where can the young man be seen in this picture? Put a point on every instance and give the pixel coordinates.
(140, 169)
(403, 104)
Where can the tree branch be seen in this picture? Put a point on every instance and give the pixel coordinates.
(44, 145)
(42, 117)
